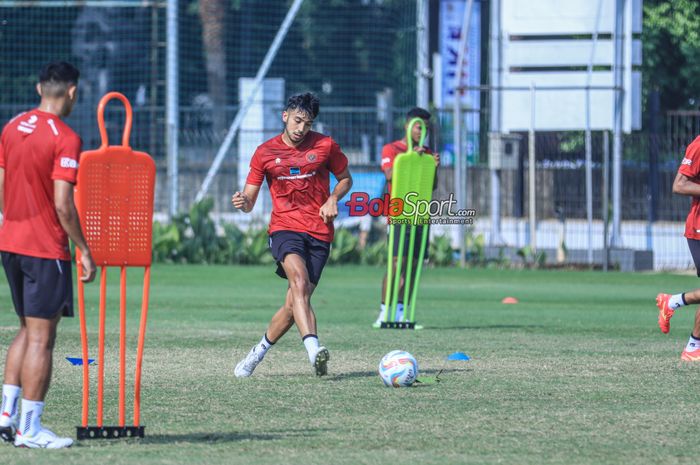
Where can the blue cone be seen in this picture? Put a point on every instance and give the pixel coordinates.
(458, 356)
(79, 360)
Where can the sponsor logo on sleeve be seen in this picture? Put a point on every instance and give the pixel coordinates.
(687, 161)
(67, 162)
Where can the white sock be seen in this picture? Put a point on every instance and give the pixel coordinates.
(311, 344)
(30, 421)
(399, 311)
(676, 301)
(10, 395)
(693, 344)
(382, 313)
(263, 346)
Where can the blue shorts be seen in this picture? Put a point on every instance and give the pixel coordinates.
(40, 287)
(313, 251)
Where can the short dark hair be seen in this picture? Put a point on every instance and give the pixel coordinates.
(307, 102)
(55, 78)
(418, 112)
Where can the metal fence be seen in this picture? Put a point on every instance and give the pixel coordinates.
(359, 56)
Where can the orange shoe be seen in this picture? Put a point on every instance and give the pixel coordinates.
(665, 312)
(691, 356)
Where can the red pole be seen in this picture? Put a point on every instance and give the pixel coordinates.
(139, 350)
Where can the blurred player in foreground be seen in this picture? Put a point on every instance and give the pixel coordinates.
(38, 167)
(297, 166)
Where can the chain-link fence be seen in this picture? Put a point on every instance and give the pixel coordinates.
(347, 52)
(359, 56)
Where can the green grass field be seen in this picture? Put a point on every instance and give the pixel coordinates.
(578, 372)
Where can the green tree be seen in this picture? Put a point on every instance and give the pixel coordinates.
(671, 46)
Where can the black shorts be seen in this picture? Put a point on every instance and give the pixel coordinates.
(694, 246)
(407, 241)
(40, 287)
(313, 251)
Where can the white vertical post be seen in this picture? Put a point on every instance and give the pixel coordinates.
(531, 171)
(615, 240)
(422, 49)
(172, 104)
(606, 198)
(496, 65)
(459, 162)
(589, 148)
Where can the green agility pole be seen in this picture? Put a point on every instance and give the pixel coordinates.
(412, 179)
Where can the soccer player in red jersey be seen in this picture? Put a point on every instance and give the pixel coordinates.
(297, 165)
(38, 168)
(389, 153)
(687, 182)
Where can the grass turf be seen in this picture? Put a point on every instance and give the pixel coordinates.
(576, 373)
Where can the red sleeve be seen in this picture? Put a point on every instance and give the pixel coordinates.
(690, 166)
(388, 154)
(66, 157)
(337, 161)
(257, 169)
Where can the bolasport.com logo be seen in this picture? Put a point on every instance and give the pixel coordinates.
(410, 209)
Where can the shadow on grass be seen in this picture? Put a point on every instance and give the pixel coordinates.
(372, 374)
(226, 437)
(442, 328)
(352, 374)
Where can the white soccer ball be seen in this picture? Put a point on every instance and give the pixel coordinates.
(398, 368)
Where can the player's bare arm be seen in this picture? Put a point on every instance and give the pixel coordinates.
(68, 217)
(387, 173)
(329, 210)
(245, 201)
(684, 186)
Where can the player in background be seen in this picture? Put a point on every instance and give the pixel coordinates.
(38, 167)
(389, 153)
(687, 182)
(297, 165)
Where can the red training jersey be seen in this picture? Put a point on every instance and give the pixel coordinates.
(36, 148)
(389, 153)
(299, 181)
(690, 167)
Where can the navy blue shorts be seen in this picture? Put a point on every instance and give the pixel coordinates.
(694, 246)
(313, 251)
(40, 287)
(407, 241)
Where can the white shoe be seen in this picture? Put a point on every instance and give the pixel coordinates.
(8, 427)
(44, 439)
(321, 361)
(380, 319)
(246, 366)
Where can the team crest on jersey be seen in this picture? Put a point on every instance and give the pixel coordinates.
(311, 157)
